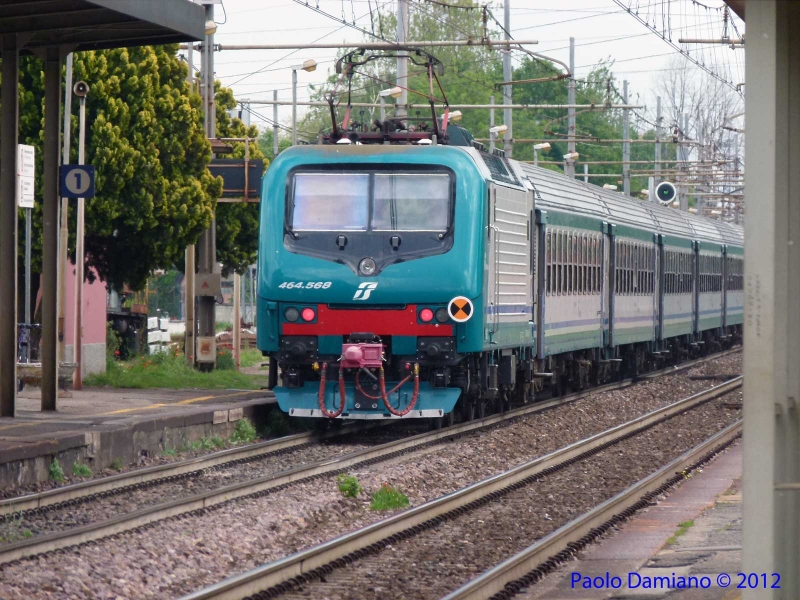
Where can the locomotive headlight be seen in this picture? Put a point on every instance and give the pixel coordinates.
(441, 315)
(367, 266)
(291, 314)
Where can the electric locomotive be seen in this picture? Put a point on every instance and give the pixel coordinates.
(407, 272)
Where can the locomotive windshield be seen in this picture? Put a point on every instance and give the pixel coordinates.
(358, 201)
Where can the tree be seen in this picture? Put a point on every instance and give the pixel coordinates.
(237, 223)
(154, 194)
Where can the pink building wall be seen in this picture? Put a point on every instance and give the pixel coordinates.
(94, 322)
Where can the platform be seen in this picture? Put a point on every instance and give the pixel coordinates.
(100, 426)
(653, 543)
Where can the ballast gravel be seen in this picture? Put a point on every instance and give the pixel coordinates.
(179, 555)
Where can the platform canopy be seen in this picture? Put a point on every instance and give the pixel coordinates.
(97, 24)
(50, 29)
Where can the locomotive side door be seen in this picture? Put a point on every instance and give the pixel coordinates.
(510, 289)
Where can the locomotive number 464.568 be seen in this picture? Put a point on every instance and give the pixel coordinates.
(308, 285)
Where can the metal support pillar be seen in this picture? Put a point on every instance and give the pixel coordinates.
(657, 178)
(569, 165)
(507, 76)
(402, 58)
(80, 262)
(191, 322)
(771, 494)
(275, 125)
(207, 244)
(491, 124)
(683, 192)
(294, 107)
(49, 281)
(237, 319)
(9, 104)
(626, 146)
(63, 237)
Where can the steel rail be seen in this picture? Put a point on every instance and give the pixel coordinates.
(273, 482)
(155, 474)
(318, 559)
(560, 545)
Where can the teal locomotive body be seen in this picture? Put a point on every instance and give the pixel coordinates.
(432, 280)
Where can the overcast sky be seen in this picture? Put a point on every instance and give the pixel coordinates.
(602, 30)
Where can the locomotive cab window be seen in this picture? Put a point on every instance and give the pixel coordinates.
(390, 213)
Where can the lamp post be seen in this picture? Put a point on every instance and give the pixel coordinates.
(536, 148)
(569, 161)
(307, 66)
(394, 92)
(494, 133)
(81, 89)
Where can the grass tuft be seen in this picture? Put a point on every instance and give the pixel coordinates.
(81, 470)
(388, 498)
(172, 372)
(682, 529)
(218, 443)
(116, 464)
(56, 472)
(348, 485)
(244, 432)
(170, 452)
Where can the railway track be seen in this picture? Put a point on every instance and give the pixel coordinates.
(298, 572)
(72, 495)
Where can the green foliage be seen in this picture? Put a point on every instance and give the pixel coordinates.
(169, 371)
(116, 464)
(244, 432)
(225, 361)
(81, 470)
(170, 452)
(682, 529)
(165, 293)
(206, 444)
(279, 424)
(113, 342)
(56, 472)
(388, 498)
(223, 326)
(218, 443)
(348, 485)
(251, 357)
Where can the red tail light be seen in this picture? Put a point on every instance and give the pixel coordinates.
(426, 315)
(308, 314)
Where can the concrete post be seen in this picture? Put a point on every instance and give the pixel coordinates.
(275, 124)
(237, 319)
(771, 499)
(402, 58)
(63, 237)
(49, 281)
(569, 165)
(9, 101)
(626, 146)
(507, 76)
(491, 124)
(657, 178)
(80, 260)
(294, 107)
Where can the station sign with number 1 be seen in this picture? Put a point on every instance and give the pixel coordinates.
(77, 181)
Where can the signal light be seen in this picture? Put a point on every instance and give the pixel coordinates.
(426, 315)
(308, 314)
(291, 314)
(441, 315)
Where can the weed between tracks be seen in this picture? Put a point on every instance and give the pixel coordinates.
(81, 470)
(56, 472)
(348, 485)
(388, 498)
(682, 529)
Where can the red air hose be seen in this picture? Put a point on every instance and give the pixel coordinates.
(384, 395)
(321, 395)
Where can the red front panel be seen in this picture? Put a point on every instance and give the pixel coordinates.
(380, 322)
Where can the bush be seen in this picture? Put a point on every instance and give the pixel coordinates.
(388, 498)
(56, 472)
(348, 485)
(244, 432)
(81, 470)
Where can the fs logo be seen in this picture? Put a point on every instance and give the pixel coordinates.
(364, 290)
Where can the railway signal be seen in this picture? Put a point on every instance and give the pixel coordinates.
(665, 192)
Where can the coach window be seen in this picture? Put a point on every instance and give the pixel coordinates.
(547, 258)
(563, 262)
(584, 262)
